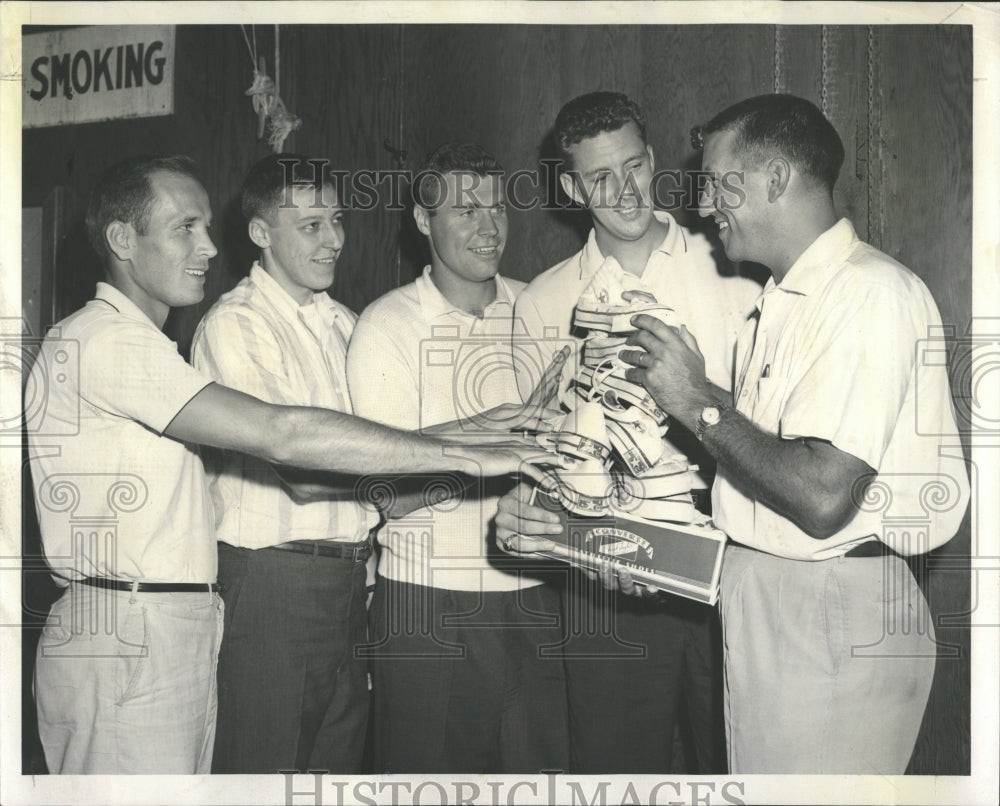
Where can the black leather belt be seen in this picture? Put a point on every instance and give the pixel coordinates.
(356, 552)
(150, 587)
(873, 548)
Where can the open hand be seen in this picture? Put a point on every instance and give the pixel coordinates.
(543, 403)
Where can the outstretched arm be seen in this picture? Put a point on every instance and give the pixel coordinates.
(321, 439)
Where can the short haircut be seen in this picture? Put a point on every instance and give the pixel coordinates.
(124, 193)
(265, 185)
(769, 125)
(592, 114)
(462, 157)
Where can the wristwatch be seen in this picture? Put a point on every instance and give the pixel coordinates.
(710, 415)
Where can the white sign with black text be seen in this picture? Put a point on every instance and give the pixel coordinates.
(80, 75)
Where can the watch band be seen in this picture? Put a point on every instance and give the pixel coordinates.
(703, 423)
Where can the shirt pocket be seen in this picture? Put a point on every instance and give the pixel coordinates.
(769, 404)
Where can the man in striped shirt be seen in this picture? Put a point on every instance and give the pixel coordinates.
(292, 550)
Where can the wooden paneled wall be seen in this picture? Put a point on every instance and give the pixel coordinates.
(901, 97)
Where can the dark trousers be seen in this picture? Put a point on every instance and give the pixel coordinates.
(292, 693)
(633, 668)
(461, 684)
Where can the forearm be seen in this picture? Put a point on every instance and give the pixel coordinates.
(499, 420)
(320, 439)
(791, 477)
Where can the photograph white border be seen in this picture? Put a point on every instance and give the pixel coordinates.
(978, 788)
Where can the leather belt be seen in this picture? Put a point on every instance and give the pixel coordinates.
(356, 552)
(873, 548)
(150, 587)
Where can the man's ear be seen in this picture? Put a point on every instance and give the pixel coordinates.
(120, 238)
(423, 219)
(779, 172)
(259, 231)
(569, 186)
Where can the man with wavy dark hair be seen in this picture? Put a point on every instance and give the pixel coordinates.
(650, 661)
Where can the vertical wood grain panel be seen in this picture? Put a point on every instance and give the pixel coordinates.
(592, 58)
(693, 72)
(803, 61)
(486, 91)
(690, 73)
(927, 126)
(343, 82)
(601, 57)
(847, 110)
(926, 94)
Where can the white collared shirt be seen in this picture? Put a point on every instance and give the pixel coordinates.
(259, 340)
(115, 497)
(415, 361)
(844, 351)
(680, 273)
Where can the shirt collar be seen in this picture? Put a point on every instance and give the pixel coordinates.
(121, 303)
(591, 259)
(819, 262)
(434, 304)
(288, 306)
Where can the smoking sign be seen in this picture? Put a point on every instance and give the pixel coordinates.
(101, 72)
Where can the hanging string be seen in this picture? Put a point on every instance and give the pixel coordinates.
(779, 59)
(253, 50)
(272, 114)
(823, 71)
(875, 197)
(283, 122)
(277, 61)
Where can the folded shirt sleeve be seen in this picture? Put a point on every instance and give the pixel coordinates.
(134, 371)
(854, 375)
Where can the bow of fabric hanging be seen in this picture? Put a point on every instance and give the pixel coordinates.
(273, 117)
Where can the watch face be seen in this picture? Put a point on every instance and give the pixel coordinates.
(711, 415)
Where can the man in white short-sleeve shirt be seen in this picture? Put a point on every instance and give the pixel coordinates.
(461, 680)
(125, 671)
(836, 426)
(609, 168)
